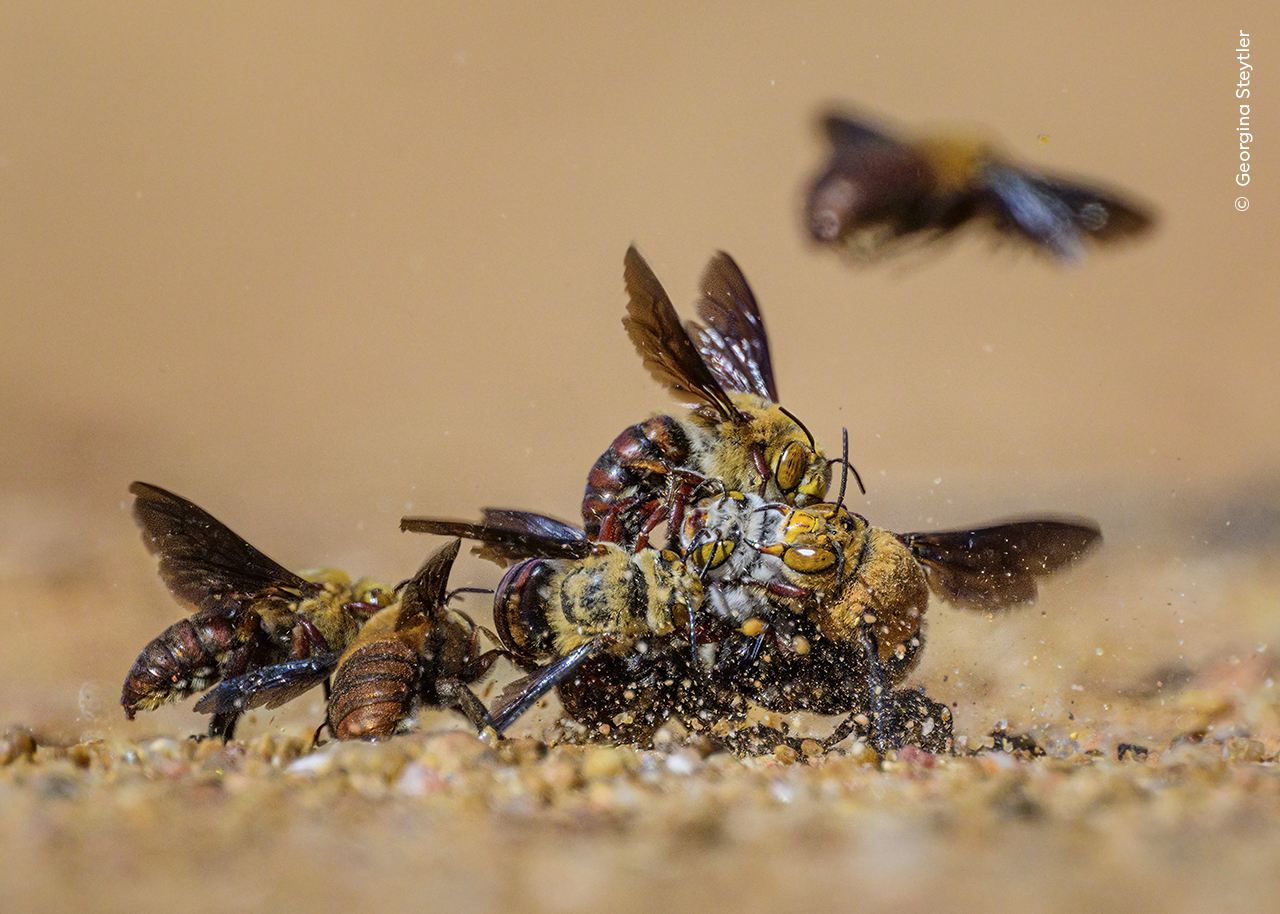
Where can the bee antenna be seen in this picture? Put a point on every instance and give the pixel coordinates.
(453, 593)
(792, 416)
(843, 460)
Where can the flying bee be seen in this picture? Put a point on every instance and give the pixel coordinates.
(876, 191)
(607, 627)
(849, 600)
(735, 431)
(416, 653)
(250, 611)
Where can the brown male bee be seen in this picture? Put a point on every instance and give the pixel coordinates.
(836, 620)
(608, 628)
(877, 190)
(735, 430)
(417, 653)
(251, 612)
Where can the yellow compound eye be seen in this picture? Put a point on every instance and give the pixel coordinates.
(808, 559)
(712, 555)
(790, 467)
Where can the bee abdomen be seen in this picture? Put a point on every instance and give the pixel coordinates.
(519, 610)
(630, 464)
(373, 691)
(185, 658)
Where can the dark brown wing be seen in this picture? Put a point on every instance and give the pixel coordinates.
(202, 561)
(671, 357)
(733, 343)
(521, 695)
(510, 535)
(848, 134)
(427, 592)
(271, 686)
(996, 567)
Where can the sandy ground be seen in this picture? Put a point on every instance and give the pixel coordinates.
(316, 268)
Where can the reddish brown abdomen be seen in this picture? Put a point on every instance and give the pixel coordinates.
(185, 658)
(373, 690)
(632, 473)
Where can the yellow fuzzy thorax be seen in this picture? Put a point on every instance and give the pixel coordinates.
(723, 450)
(956, 160)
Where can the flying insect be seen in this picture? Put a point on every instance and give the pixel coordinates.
(876, 191)
(250, 611)
(735, 430)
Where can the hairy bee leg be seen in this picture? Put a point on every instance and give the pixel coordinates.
(308, 640)
(682, 485)
(479, 667)
(466, 701)
(223, 723)
(612, 528)
(223, 726)
(886, 729)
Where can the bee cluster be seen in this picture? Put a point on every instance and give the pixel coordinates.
(710, 575)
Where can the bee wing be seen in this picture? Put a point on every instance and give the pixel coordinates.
(995, 567)
(202, 561)
(1056, 213)
(733, 344)
(846, 133)
(428, 590)
(271, 686)
(668, 352)
(509, 535)
(522, 694)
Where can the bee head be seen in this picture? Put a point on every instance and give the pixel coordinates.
(798, 467)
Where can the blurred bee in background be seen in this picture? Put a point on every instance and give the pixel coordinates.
(608, 628)
(876, 191)
(416, 653)
(735, 430)
(250, 611)
(835, 623)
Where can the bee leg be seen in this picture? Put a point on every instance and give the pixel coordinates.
(223, 726)
(479, 667)
(681, 488)
(308, 640)
(613, 529)
(464, 700)
(886, 727)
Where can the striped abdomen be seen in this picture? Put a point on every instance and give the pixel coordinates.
(374, 690)
(632, 473)
(187, 657)
(520, 609)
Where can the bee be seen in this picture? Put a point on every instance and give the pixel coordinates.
(876, 191)
(607, 627)
(735, 431)
(836, 621)
(250, 611)
(416, 653)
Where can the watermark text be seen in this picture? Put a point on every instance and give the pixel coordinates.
(1244, 126)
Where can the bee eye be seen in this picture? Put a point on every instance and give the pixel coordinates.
(808, 559)
(712, 555)
(790, 467)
